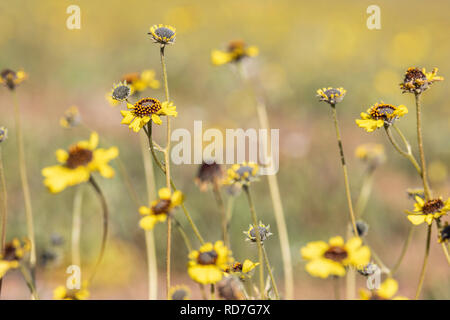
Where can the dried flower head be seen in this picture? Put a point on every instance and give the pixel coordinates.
(264, 232)
(145, 110)
(209, 174)
(427, 211)
(13, 254)
(71, 118)
(331, 95)
(332, 258)
(236, 51)
(11, 79)
(418, 80)
(230, 288)
(379, 115)
(362, 228)
(242, 174)
(371, 153)
(159, 209)
(369, 269)
(207, 265)
(3, 134)
(179, 292)
(121, 91)
(444, 236)
(163, 34)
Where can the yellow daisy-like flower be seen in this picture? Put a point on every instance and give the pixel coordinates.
(236, 51)
(179, 292)
(331, 95)
(387, 290)
(145, 110)
(243, 270)
(71, 118)
(379, 115)
(418, 80)
(12, 79)
(77, 164)
(331, 259)
(163, 34)
(371, 153)
(242, 174)
(159, 209)
(12, 255)
(264, 232)
(62, 293)
(207, 265)
(427, 211)
(3, 134)
(120, 92)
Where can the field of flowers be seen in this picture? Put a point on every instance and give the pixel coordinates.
(95, 204)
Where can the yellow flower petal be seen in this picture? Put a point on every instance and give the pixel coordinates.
(61, 155)
(337, 241)
(416, 219)
(388, 288)
(314, 250)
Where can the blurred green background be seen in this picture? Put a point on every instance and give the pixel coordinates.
(303, 46)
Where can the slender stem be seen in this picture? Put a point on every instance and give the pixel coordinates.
(364, 195)
(76, 225)
(444, 248)
(183, 235)
(152, 268)
(223, 214)
(344, 169)
(272, 279)
(213, 292)
(408, 154)
(377, 259)
(29, 281)
(167, 172)
(426, 186)
(403, 252)
(202, 291)
(25, 187)
(337, 288)
(105, 225)
(4, 210)
(425, 261)
(274, 191)
(258, 240)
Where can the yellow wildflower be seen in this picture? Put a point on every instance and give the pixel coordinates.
(379, 115)
(427, 211)
(387, 290)
(77, 164)
(163, 34)
(237, 50)
(11, 79)
(331, 95)
(13, 253)
(71, 118)
(418, 80)
(242, 174)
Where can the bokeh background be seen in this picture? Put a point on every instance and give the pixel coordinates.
(303, 45)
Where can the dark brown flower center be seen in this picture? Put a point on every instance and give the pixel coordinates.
(78, 157)
(146, 107)
(162, 207)
(208, 257)
(236, 45)
(382, 112)
(432, 206)
(336, 253)
(10, 252)
(237, 267)
(209, 172)
(414, 74)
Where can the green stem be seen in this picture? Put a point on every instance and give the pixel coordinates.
(258, 240)
(4, 210)
(272, 279)
(408, 155)
(364, 195)
(29, 281)
(403, 252)
(213, 292)
(337, 288)
(102, 199)
(25, 187)
(425, 261)
(344, 169)
(223, 214)
(426, 186)
(76, 225)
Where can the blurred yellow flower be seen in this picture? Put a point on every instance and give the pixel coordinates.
(159, 209)
(371, 153)
(427, 211)
(163, 34)
(331, 259)
(71, 118)
(13, 253)
(145, 110)
(331, 95)
(379, 115)
(62, 293)
(387, 290)
(11, 79)
(418, 80)
(207, 265)
(242, 174)
(237, 50)
(78, 163)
